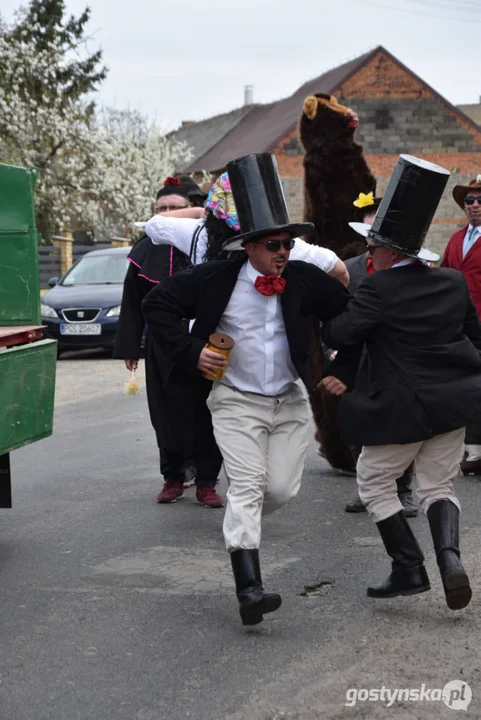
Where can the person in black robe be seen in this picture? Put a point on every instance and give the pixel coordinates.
(170, 402)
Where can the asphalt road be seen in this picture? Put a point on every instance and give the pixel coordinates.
(112, 606)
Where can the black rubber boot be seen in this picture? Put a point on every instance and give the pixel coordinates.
(408, 575)
(405, 492)
(443, 518)
(253, 601)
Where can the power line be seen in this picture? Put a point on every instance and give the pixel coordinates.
(471, 21)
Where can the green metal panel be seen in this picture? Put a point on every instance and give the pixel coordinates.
(19, 276)
(27, 387)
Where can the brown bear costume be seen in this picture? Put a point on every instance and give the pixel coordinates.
(335, 172)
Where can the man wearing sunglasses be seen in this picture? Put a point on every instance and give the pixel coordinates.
(260, 409)
(463, 253)
(418, 385)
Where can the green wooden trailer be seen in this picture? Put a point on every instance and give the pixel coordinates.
(27, 363)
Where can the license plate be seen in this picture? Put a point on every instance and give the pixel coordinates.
(81, 329)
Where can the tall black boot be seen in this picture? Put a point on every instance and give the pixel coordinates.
(443, 516)
(408, 575)
(253, 601)
(405, 492)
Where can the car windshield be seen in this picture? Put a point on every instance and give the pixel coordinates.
(98, 270)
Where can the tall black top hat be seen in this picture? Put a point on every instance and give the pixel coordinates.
(408, 205)
(259, 200)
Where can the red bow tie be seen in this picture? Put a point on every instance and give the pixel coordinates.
(269, 284)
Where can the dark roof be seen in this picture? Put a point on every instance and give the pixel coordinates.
(204, 134)
(258, 128)
(262, 126)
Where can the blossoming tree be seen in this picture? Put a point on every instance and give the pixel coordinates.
(94, 168)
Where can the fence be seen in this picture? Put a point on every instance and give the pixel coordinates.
(79, 250)
(49, 263)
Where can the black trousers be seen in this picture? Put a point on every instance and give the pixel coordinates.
(208, 460)
(204, 455)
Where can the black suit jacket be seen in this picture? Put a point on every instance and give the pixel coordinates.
(357, 269)
(204, 292)
(421, 372)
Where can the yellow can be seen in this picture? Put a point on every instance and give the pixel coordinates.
(222, 344)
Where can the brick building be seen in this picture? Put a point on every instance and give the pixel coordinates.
(398, 113)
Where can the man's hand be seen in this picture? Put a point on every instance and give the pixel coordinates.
(131, 364)
(333, 385)
(210, 362)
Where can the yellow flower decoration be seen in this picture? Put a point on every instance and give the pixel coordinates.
(364, 200)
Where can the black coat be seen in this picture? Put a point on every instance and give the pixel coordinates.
(357, 269)
(421, 373)
(170, 404)
(204, 292)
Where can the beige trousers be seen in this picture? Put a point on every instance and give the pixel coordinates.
(263, 441)
(437, 465)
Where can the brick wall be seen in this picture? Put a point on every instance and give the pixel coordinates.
(398, 113)
(383, 77)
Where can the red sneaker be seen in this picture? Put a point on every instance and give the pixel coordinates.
(172, 491)
(208, 497)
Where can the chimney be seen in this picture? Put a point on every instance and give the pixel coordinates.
(248, 94)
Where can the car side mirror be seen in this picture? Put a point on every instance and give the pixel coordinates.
(53, 281)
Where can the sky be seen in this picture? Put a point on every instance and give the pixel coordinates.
(178, 60)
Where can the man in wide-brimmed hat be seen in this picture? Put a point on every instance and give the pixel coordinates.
(463, 253)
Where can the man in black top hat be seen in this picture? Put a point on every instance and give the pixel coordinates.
(360, 268)
(260, 408)
(418, 385)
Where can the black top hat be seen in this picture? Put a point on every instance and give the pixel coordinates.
(408, 206)
(259, 199)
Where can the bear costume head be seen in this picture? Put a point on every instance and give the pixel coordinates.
(323, 116)
(335, 172)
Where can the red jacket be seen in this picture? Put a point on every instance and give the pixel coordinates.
(470, 266)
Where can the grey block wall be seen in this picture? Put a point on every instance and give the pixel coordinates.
(419, 126)
(439, 232)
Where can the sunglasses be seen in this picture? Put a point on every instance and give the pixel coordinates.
(275, 245)
(372, 248)
(470, 200)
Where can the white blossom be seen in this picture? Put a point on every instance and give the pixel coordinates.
(100, 172)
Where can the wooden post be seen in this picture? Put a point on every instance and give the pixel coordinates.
(66, 253)
(120, 242)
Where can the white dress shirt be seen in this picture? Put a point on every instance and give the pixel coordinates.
(472, 235)
(164, 230)
(260, 361)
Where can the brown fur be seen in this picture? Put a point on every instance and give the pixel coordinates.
(335, 172)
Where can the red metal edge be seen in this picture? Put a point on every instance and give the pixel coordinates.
(20, 335)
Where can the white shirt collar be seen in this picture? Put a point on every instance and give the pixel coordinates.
(251, 272)
(406, 261)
